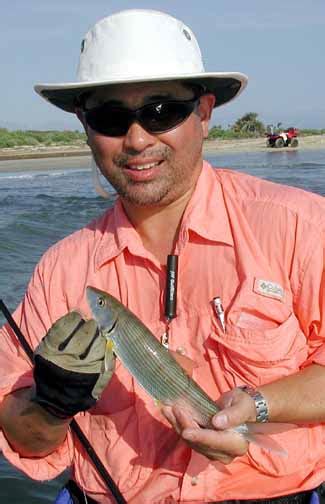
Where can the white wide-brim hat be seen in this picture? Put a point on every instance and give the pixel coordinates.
(140, 45)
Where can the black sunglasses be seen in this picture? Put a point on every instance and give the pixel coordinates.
(112, 120)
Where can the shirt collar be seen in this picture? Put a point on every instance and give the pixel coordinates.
(117, 234)
(206, 215)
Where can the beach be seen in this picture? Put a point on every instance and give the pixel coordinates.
(78, 156)
(312, 142)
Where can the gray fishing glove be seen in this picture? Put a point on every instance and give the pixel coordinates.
(70, 369)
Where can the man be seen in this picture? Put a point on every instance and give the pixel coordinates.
(250, 300)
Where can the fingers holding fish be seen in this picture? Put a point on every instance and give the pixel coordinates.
(221, 446)
(178, 419)
(236, 408)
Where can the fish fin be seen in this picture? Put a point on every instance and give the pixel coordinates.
(270, 428)
(267, 443)
(108, 353)
(185, 362)
(258, 433)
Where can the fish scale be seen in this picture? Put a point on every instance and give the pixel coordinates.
(160, 376)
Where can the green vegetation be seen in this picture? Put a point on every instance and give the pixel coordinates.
(309, 132)
(249, 126)
(39, 138)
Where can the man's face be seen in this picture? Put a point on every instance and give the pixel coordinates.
(151, 169)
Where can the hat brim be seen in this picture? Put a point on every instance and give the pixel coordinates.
(224, 86)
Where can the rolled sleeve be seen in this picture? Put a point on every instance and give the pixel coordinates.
(41, 469)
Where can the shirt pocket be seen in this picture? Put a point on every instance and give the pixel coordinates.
(262, 341)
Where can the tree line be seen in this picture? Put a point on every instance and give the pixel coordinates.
(247, 126)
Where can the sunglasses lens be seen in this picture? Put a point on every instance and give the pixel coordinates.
(109, 120)
(155, 118)
(164, 116)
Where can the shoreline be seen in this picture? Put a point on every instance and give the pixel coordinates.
(312, 142)
(78, 156)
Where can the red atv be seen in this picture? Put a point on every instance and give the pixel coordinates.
(286, 138)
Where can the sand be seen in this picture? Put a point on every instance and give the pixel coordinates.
(45, 163)
(313, 142)
(78, 156)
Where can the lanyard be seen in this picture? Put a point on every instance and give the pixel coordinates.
(170, 295)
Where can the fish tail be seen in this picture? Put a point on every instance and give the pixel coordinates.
(267, 443)
(259, 434)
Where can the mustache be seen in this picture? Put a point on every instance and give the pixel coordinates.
(123, 159)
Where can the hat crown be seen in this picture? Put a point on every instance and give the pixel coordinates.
(138, 43)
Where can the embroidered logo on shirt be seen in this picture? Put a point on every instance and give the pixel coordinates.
(268, 289)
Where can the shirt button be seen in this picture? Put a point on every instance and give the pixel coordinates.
(194, 480)
(181, 350)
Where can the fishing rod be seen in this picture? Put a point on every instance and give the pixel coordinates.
(111, 485)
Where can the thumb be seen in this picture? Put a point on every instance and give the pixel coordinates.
(226, 419)
(239, 410)
(107, 371)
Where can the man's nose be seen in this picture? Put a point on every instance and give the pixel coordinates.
(137, 138)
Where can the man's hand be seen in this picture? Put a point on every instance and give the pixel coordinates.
(70, 368)
(219, 443)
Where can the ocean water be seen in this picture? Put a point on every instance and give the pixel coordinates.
(38, 208)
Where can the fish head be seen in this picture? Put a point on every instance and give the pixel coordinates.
(104, 307)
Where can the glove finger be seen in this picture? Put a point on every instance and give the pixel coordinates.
(83, 340)
(64, 329)
(60, 332)
(97, 349)
(70, 337)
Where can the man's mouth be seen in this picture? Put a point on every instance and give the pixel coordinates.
(144, 166)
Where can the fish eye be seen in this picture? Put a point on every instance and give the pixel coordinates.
(101, 302)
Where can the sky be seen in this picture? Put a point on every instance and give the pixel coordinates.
(279, 45)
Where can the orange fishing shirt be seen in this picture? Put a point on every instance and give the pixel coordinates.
(257, 245)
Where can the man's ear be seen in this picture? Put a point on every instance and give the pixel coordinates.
(205, 109)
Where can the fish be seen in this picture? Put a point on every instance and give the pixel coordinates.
(159, 373)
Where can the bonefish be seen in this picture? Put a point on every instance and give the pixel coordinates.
(158, 372)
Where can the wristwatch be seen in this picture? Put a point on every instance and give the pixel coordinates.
(262, 410)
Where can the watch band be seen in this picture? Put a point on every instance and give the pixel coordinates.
(262, 410)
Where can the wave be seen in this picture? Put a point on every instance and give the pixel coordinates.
(41, 174)
(7, 176)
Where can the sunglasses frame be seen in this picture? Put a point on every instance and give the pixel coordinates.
(134, 115)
